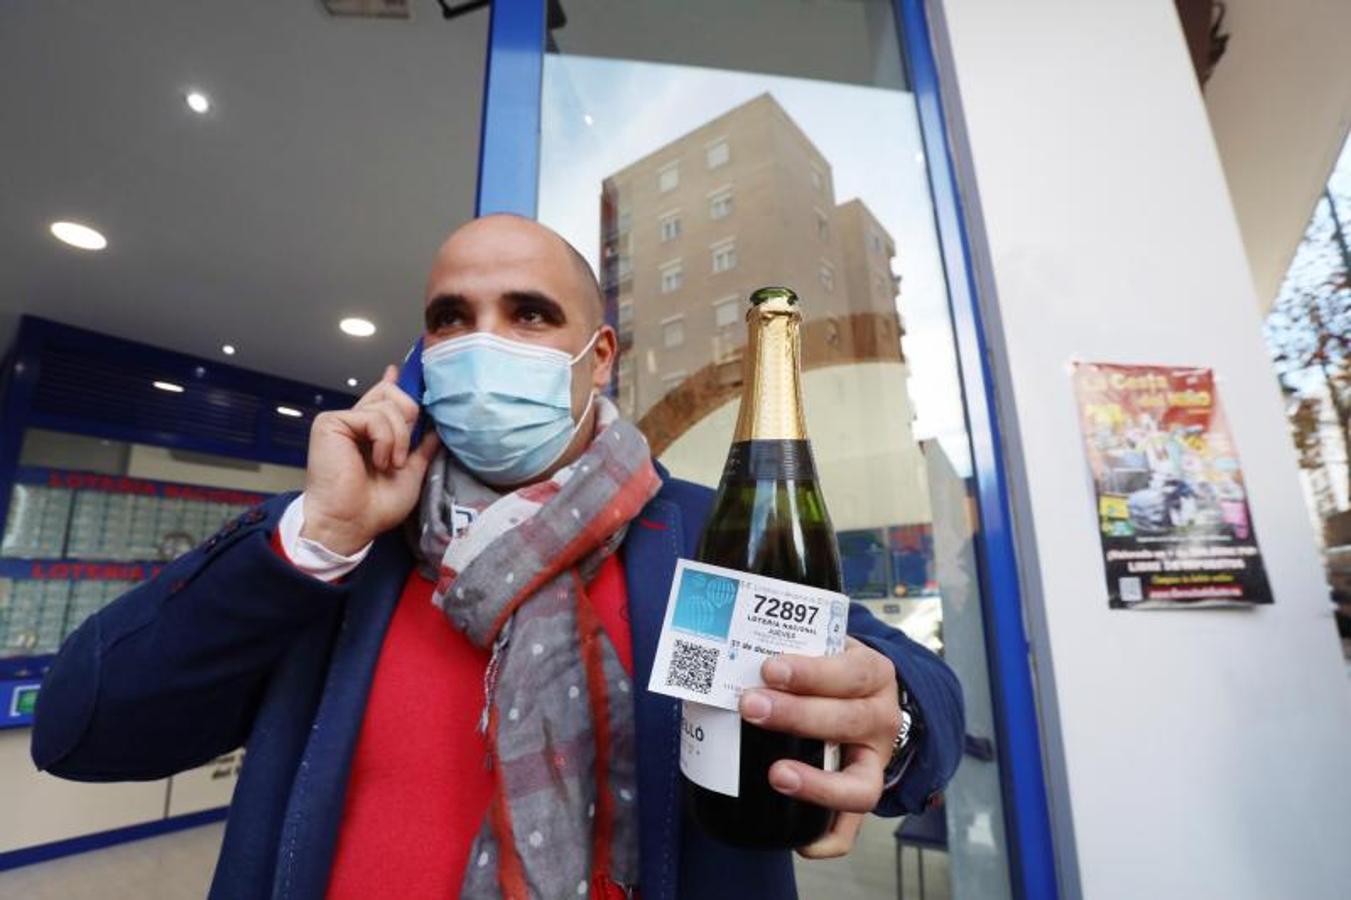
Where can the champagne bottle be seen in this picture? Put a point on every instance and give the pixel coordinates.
(768, 519)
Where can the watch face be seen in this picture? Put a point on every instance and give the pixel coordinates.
(175, 544)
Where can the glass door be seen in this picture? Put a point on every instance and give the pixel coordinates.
(695, 152)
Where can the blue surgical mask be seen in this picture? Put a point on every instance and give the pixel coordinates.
(504, 408)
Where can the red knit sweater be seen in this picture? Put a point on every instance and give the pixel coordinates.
(418, 789)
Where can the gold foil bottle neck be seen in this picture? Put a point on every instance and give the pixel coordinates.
(771, 400)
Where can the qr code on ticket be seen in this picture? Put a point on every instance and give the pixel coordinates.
(692, 667)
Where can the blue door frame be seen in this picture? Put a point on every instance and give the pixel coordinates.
(508, 182)
(1026, 814)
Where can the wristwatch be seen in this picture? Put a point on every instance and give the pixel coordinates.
(906, 743)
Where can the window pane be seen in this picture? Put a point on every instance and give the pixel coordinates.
(720, 205)
(717, 154)
(673, 332)
(672, 277)
(724, 257)
(727, 312)
(826, 192)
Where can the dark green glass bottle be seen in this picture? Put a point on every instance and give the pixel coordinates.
(768, 518)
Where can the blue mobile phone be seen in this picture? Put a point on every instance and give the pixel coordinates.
(410, 381)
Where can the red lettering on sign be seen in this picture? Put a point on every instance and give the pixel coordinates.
(124, 485)
(78, 571)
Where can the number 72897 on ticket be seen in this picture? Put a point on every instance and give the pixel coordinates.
(721, 624)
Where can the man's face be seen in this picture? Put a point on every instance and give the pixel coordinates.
(513, 278)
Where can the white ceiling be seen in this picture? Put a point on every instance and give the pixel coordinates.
(337, 155)
(1280, 107)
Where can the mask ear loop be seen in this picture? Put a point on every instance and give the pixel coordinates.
(591, 401)
(585, 350)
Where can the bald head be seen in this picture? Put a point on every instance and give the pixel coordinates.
(590, 284)
(520, 239)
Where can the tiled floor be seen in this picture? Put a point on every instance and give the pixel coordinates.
(178, 867)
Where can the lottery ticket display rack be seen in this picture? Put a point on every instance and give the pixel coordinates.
(75, 541)
(89, 426)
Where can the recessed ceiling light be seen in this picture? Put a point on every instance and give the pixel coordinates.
(357, 327)
(78, 235)
(198, 102)
(168, 386)
(290, 411)
(227, 349)
(351, 382)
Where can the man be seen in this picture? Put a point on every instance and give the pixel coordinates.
(458, 705)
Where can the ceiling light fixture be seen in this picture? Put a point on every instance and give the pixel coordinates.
(168, 386)
(198, 102)
(357, 327)
(351, 382)
(227, 349)
(78, 235)
(290, 411)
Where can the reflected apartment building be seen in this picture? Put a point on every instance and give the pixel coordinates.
(687, 232)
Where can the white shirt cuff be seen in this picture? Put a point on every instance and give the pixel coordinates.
(312, 557)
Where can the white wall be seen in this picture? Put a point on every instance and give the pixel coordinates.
(1280, 106)
(1199, 754)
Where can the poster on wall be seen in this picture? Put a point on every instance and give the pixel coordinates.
(1172, 510)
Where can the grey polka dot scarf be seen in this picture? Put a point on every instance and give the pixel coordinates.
(511, 572)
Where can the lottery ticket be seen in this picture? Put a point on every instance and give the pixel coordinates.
(721, 625)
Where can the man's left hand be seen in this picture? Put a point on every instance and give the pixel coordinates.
(851, 699)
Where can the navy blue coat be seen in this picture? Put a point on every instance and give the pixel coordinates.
(232, 646)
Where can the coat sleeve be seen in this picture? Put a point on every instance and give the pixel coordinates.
(937, 693)
(170, 675)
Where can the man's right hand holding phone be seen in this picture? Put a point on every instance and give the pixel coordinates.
(362, 478)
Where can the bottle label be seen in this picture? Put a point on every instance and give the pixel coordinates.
(710, 747)
(721, 625)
